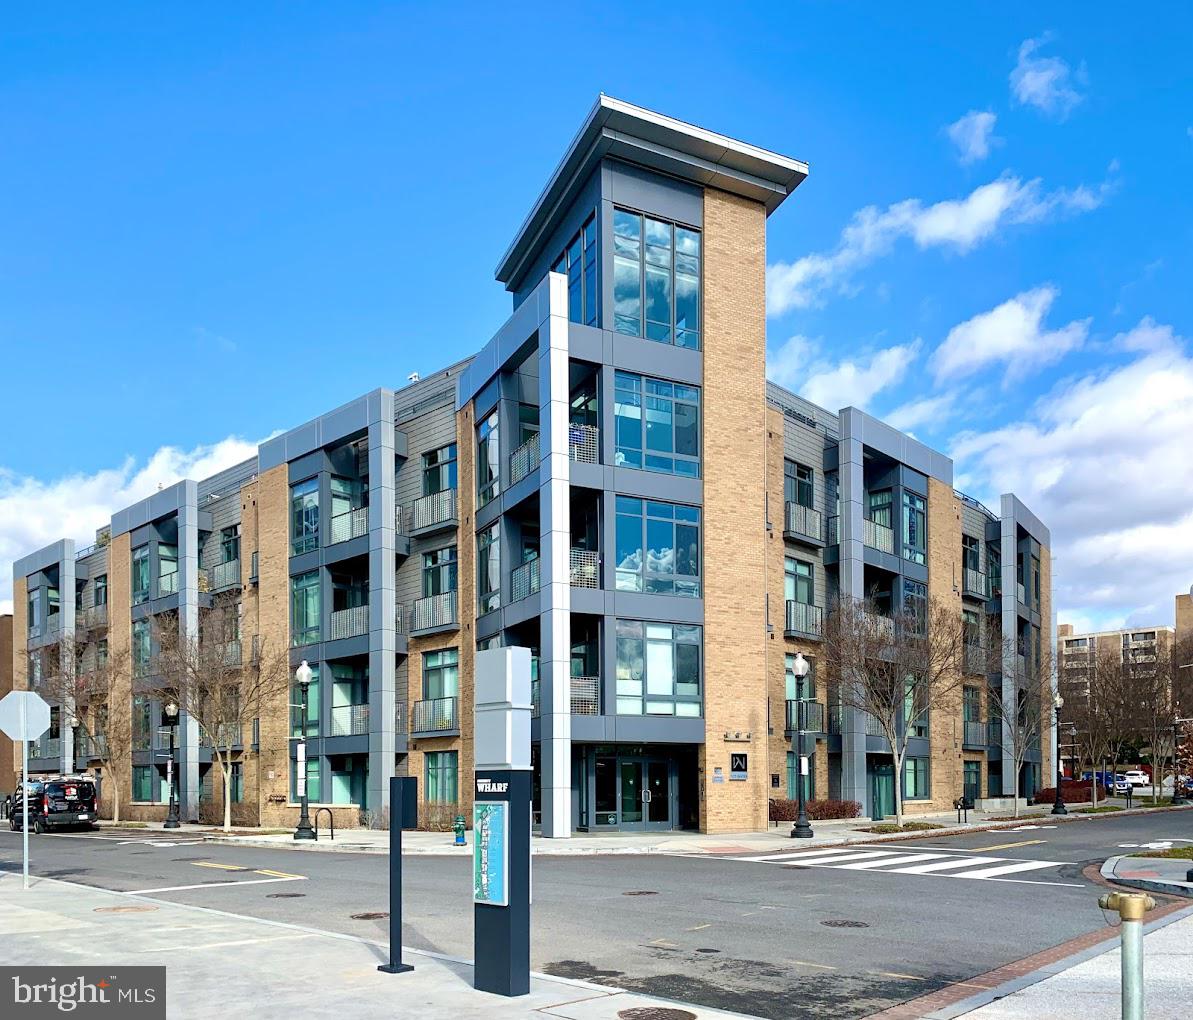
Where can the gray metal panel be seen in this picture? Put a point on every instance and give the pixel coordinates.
(228, 481)
(48, 556)
(161, 504)
(654, 194)
(347, 420)
(898, 445)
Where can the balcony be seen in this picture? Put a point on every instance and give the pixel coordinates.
(535, 699)
(167, 584)
(46, 747)
(434, 512)
(435, 717)
(974, 584)
(1021, 594)
(882, 626)
(435, 612)
(973, 734)
(524, 459)
(231, 653)
(834, 719)
(348, 623)
(584, 568)
(524, 581)
(802, 523)
(878, 536)
(53, 623)
(803, 620)
(350, 720)
(586, 695)
(226, 735)
(994, 733)
(90, 619)
(873, 726)
(975, 659)
(349, 525)
(87, 748)
(400, 718)
(814, 715)
(226, 575)
(584, 444)
(834, 530)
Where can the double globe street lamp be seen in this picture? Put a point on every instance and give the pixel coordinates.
(170, 719)
(1058, 806)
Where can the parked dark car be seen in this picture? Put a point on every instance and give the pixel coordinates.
(56, 802)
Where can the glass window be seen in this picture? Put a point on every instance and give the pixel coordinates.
(797, 581)
(578, 264)
(143, 782)
(658, 669)
(1035, 579)
(915, 528)
(488, 569)
(100, 590)
(314, 781)
(880, 507)
(442, 772)
(439, 470)
(237, 783)
(441, 674)
(915, 714)
(915, 605)
(657, 425)
(971, 556)
(305, 608)
(142, 723)
(915, 778)
(656, 279)
(34, 604)
(799, 688)
(972, 704)
(101, 653)
(167, 569)
(312, 705)
(658, 547)
(971, 627)
(440, 571)
(304, 516)
(140, 575)
(797, 483)
(141, 648)
(488, 460)
(230, 544)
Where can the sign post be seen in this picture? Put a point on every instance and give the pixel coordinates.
(501, 823)
(24, 717)
(395, 964)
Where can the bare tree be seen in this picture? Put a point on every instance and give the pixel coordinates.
(1154, 685)
(80, 675)
(896, 669)
(1094, 705)
(1023, 709)
(212, 679)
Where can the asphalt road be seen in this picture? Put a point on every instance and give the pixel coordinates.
(736, 934)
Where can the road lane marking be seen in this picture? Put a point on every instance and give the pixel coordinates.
(895, 974)
(951, 862)
(699, 927)
(1007, 869)
(222, 867)
(884, 862)
(809, 963)
(1007, 846)
(226, 945)
(211, 885)
(276, 874)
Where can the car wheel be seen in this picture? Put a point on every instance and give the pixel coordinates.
(39, 827)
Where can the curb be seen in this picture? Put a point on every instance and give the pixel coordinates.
(1146, 884)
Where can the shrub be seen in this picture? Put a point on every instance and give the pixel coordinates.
(439, 817)
(1078, 792)
(816, 810)
(887, 828)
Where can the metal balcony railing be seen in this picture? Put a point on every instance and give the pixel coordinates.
(435, 611)
(46, 747)
(253, 563)
(142, 741)
(804, 521)
(804, 620)
(435, 509)
(834, 530)
(231, 653)
(884, 626)
(226, 735)
(53, 622)
(586, 695)
(1021, 594)
(225, 575)
(878, 536)
(584, 568)
(584, 444)
(994, 733)
(873, 727)
(974, 733)
(974, 583)
(524, 459)
(346, 623)
(167, 584)
(400, 717)
(535, 699)
(524, 581)
(975, 659)
(814, 716)
(437, 715)
(349, 720)
(90, 747)
(834, 719)
(349, 525)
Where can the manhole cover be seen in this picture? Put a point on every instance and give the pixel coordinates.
(845, 924)
(708, 950)
(375, 915)
(140, 909)
(656, 1013)
(285, 895)
(640, 892)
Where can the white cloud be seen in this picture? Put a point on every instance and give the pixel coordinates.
(1012, 334)
(973, 135)
(1104, 461)
(799, 365)
(917, 413)
(35, 512)
(1046, 83)
(957, 224)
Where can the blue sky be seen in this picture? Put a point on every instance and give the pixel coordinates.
(220, 222)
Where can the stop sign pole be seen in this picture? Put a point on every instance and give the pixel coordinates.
(24, 717)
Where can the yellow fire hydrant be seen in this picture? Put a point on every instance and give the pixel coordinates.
(1130, 908)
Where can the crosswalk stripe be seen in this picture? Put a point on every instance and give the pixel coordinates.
(952, 862)
(902, 859)
(808, 855)
(851, 855)
(1006, 869)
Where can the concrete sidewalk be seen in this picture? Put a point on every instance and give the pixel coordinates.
(221, 964)
(1151, 874)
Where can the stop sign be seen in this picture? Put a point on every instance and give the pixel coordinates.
(23, 715)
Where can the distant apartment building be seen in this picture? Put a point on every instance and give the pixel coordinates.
(1133, 647)
(611, 482)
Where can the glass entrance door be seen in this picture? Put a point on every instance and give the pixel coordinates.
(645, 793)
(632, 796)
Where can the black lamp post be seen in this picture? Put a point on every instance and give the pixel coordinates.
(801, 829)
(304, 831)
(1058, 806)
(1176, 772)
(170, 717)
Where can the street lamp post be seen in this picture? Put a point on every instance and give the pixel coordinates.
(304, 831)
(1177, 799)
(1058, 806)
(170, 711)
(801, 829)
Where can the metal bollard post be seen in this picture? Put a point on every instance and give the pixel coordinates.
(395, 965)
(1131, 907)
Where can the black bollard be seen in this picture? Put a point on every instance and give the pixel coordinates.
(395, 965)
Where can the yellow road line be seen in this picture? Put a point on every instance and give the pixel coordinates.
(222, 867)
(277, 874)
(700, 927)
(808, 963)
(1008, 846)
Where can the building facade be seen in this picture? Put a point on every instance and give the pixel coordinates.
(1133, 647)
(611, 482)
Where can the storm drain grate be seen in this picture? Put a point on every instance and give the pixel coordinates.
(845, 924)
(655, 1013)
(708, 950)
(285, 895)
(640, 892)
(375, 915)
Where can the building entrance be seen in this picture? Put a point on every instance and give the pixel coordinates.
(632, 788)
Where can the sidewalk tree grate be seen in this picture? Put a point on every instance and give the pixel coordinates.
(845, 924)
(640, 892)
(374, 915)
(655, 1013)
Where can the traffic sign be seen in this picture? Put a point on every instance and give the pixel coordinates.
(23, 715)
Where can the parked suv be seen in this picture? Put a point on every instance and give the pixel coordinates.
(56, 802)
